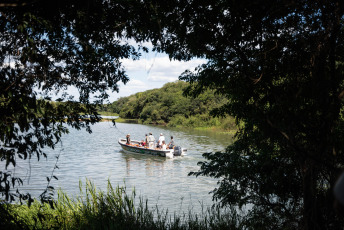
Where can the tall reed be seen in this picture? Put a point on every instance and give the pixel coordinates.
(116, 209)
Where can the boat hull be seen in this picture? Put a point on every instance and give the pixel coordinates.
(135, 148)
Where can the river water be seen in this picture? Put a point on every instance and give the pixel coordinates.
(99, 158)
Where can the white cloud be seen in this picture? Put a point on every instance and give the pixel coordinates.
(152, 71)
(132, 87)
(134, 84)
(164, 70)
(160, 69)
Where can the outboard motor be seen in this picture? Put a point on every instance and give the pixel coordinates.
(177, 151)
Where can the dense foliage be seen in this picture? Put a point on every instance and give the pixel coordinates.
(280, 64)
(46, 48)
(168, 105)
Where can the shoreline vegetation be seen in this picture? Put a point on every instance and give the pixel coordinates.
(114, 209)
(218, 129)
(168, 106)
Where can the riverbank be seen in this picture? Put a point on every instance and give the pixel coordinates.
(114, 209)
(224, 125)
(228, 127)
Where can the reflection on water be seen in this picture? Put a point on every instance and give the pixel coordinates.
(99, 157)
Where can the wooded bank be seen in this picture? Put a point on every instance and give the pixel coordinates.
(169, 106)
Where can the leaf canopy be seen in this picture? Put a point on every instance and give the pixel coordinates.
(47, 47)
(280, 65)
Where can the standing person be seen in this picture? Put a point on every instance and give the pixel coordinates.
(161, 139)
(128, 139)
(151, 141)
(146, 140)
(171, 144)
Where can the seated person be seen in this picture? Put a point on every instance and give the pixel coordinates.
(163, 146)
(171, 144)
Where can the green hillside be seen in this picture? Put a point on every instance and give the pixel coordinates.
(168, 106)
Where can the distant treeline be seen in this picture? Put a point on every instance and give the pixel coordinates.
(168, 106)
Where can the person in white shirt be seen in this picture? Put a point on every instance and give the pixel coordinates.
(151, 140)
(163, 146)
(161, 138)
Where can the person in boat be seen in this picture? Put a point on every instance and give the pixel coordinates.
(163, 145)
(146, 140)
(171, 144)
(128, 139)
(161, 139)
(151, 141)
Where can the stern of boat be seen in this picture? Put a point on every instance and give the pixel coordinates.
(169, 154)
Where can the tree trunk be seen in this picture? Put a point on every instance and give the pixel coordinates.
(310, 213)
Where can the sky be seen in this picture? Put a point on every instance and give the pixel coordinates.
(151, 71)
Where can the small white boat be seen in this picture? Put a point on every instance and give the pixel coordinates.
(136, 147)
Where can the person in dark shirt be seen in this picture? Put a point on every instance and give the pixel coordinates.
(171, 144)
(146, 140)
(128, 139)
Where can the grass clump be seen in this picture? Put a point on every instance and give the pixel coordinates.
(114, 209)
